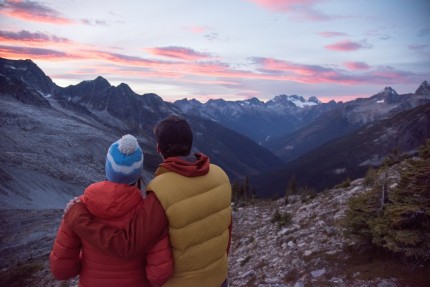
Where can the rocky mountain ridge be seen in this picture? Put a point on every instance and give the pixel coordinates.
(108, 111)
(350, 156)
(345, 118)
(253, 118)
(60, 135)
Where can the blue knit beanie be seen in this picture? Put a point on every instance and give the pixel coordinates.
(124, 161)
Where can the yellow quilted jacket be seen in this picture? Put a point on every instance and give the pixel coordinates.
(199, 214)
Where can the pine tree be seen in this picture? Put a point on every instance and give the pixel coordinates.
(397, 220)
(404, 226)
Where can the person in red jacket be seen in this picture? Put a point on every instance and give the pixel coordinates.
(196, 197)
(116, 202)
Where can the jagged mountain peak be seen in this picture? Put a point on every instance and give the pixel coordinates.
(254, 101)
(98, 83)
(216, 101)
(387, 95)
(100, 78)
(282, 98)
(315, 100)
(102, 81)
(124, 88)
(194, 101)
(293, 101)
(186, 101)
(18, 64)
(388, 91)
(423, 89)
(29, 73)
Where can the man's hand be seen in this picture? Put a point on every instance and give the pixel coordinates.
(70, 204)
(76, 213)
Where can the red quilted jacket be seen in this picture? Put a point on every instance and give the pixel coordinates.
(116, 205)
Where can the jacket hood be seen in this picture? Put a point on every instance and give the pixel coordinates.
(107, 199)
(197, 165)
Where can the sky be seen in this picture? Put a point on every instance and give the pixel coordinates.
(230, 49)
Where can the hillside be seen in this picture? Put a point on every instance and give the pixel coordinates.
(345, 118)
(54, 140)
(352, 155)
(304, 246)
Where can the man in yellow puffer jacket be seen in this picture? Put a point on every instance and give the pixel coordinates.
(196, 197)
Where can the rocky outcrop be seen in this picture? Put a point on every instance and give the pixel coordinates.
(311, 250)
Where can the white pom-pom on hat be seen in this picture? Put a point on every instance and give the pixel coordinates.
(128, 144)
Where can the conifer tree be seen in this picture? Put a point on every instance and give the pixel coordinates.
(396, 220)
(404, 227)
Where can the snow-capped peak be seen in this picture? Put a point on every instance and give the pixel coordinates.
(292, 100)
(388, 91)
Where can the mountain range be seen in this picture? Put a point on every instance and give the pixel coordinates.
(55, 139)
(350, 156)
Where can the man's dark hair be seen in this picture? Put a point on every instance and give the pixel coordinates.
(174, 136)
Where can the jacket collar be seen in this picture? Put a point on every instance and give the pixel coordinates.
(190, 166)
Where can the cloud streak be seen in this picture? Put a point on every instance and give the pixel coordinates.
(360, 73)
(33, 11)
(196, 69)
(346, 46)
(27, 36)
(356, 66)
(331, 34)
(302, 9)
(28, 52)
(178, 53)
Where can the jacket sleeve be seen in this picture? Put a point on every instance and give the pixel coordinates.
(65, 258)
(159, 259)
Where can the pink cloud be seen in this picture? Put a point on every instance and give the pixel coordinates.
(356, 66)
(204, 72)
(197, 29)
(14, 52)
(303, 9)
(33, 11)
(26, 36)
(283, 5)
(178, 53)
(328, 34)
(275, 66)
(387, 75)
(315, 74)
(120, 58)
(345, 46)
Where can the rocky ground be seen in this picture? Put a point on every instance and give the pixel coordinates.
(26, 238)
(303, 246)
(309, 248)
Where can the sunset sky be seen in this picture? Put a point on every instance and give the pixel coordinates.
(230, 49)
